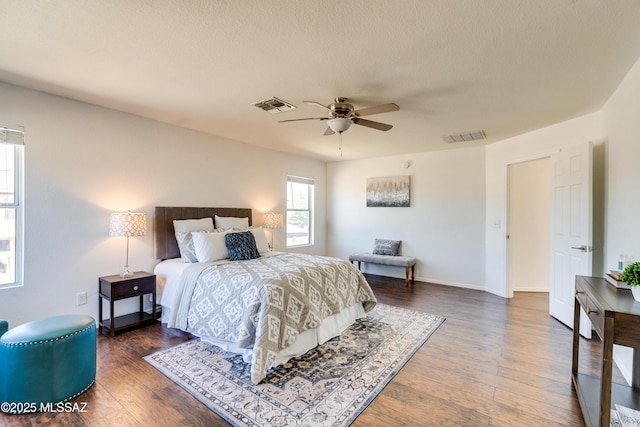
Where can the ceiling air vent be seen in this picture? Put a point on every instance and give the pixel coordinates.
(465, 136)
(274, 105)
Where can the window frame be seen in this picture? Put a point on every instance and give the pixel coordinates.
(310, 182)
(14, 135)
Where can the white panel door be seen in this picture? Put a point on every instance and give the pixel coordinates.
(571, 230)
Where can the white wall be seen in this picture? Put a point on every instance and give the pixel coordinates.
(622, 121)
(84, 161)
(443, 228)
(533, 145)
(622, 213)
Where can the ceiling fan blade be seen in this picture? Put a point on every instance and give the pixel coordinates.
(378, 109)
(306, 118)
(371, 124)
(328, 132)
(317, 104)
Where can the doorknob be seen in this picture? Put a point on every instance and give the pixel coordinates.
(583, 248)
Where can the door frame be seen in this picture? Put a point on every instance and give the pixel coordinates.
(507, 260)
(508, 219)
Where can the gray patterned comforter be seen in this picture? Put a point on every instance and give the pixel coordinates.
(266, 302)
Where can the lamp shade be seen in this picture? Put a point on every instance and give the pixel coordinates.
(127, 224)
(339, 124)
(273, 220)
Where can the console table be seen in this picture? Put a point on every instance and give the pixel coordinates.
(615, 316)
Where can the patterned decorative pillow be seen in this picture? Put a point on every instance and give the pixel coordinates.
(241, 245)
(387, 247)
(185, 245)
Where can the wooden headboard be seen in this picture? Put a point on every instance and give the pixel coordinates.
(164, 239)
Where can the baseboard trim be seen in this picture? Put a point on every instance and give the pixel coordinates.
(448, 283)
(431, 280)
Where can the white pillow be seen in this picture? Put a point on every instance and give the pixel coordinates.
(185, 244)
(187, 225)
(228, 222)
(210, 246)
(261, 239)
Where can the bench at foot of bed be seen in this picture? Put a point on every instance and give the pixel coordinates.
(409, 263)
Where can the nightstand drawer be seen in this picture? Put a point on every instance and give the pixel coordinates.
(132, 288)
(115, 287)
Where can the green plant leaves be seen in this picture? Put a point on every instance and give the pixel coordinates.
(631, 274)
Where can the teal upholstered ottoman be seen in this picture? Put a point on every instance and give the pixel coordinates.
(44, 361)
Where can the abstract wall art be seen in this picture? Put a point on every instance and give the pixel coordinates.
(389, 191)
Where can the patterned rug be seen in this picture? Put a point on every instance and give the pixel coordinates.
(625, 417)
(328, 386)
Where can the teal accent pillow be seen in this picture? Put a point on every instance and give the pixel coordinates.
(241, 246)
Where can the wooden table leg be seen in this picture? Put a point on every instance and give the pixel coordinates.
(100, 313)
(112, 331)
(635, 380)
(576, 338)
(606, 376)
(153, 305)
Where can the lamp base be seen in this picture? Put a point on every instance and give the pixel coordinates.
(126, 273)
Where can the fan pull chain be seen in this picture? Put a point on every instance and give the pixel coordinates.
(340, 143)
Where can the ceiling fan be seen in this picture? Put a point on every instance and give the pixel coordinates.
(341, 115)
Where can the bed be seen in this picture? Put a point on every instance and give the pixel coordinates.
(269, 306)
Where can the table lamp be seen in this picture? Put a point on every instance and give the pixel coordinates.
(272, 220)
(127, 224)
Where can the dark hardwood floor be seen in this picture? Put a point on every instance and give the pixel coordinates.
(494, 362)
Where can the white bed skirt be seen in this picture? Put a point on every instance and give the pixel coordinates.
(331, 327)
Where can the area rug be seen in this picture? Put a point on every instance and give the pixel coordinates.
(328, 386)
(626, 417)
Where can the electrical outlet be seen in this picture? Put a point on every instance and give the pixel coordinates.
(81, 298)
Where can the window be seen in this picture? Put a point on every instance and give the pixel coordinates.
(11, 161)
(299, 225)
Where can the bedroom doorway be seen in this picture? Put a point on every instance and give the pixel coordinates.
(529, 225)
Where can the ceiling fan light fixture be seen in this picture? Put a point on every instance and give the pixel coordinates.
(339, 124)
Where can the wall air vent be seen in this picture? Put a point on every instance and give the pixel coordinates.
(465, 136)
(274, 105)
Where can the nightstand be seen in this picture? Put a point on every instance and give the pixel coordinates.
(114, 288)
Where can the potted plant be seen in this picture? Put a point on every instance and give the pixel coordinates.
(631, 275)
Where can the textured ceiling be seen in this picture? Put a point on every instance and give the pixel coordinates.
(504, 66)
